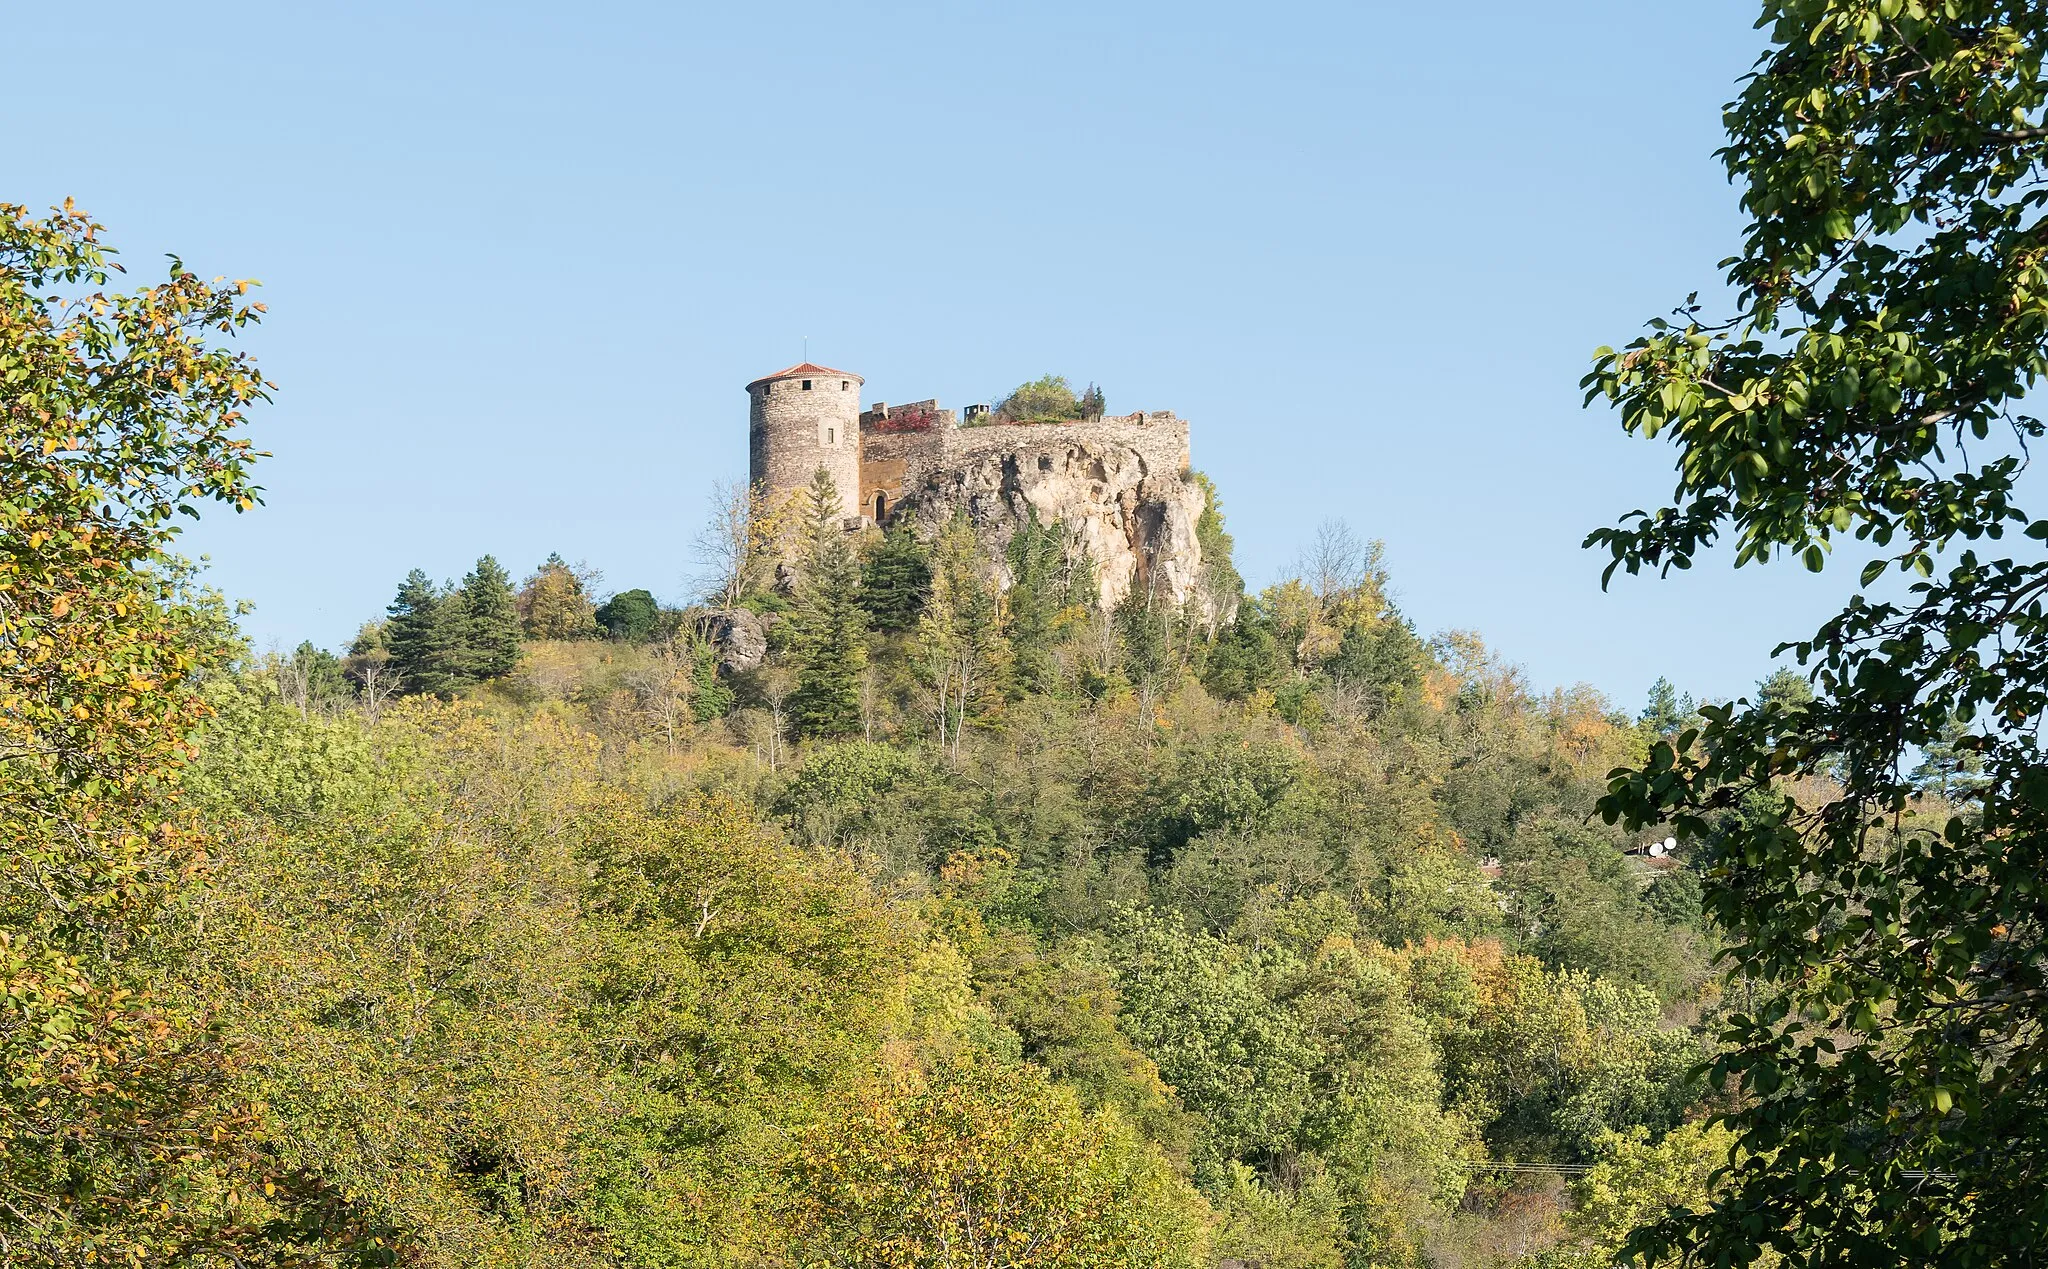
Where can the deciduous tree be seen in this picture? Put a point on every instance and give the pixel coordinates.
(1863, 391)
(736, 548)
(988, 1167)
(555, 602)
(962, 655)
(630, 615)
(121, 1139)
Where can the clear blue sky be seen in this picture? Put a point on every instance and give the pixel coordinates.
(520, 259)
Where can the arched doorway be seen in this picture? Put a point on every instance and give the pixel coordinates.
(881, 507)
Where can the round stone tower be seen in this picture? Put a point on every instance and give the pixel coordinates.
(799, 420)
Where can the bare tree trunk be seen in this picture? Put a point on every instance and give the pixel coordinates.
(868, 702)
(295, 683)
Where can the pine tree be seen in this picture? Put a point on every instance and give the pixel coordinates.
(491, 639)
(1038, 593)
(895, 581)
(450, 658)
(1383, 656)
(819, 511)
(1950, 767)
(1662, 716)
(830, 646)
(1093, 404)
(710, 697)
(410, 634)
(1144, 632)
(429, 637)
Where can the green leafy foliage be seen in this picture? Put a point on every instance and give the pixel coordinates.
(1866, 390)
(631, 615)
(961, 918)
(983, 1164)
(555, 603)
(124, 1137)
(1049, 399)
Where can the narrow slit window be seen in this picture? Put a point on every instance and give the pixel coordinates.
(829, 436)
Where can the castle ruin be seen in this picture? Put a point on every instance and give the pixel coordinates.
(1120, 484)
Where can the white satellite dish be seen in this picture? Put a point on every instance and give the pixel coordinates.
(1656, 848)
(1670, 844)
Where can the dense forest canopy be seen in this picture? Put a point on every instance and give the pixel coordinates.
(1300, 924)
(891, 904)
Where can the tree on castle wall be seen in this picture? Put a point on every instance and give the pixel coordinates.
(1049, 398)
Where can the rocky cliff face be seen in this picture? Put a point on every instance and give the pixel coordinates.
(1114, 493)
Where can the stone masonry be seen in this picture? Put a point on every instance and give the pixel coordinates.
(1120, 484)
(799, 420)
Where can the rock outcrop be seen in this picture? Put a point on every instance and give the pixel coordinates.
(740, 636)
(1128, 500)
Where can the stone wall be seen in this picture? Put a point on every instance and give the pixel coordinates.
(1159, 436)
(1119, 484)
(890, 462)
(874, 417)
(793, 432)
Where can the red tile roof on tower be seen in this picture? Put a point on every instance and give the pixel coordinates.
(805, 368)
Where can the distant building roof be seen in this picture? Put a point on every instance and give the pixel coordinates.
(805, 369)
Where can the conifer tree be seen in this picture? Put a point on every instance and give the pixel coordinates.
(1038, 593)
(429, 637)
(1950, 767)
(1221, 581)
(412, 634)
(1662, 715)
(1384, 657)
(1144, 632)
(895, 580)
(492, 618)
(830, 648)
